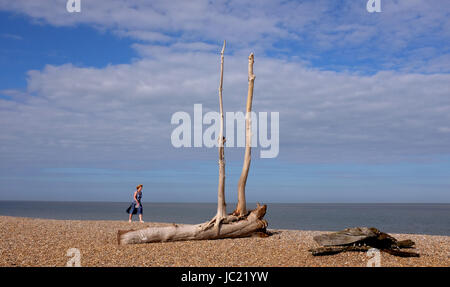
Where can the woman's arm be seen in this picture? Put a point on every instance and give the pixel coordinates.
(135, 198)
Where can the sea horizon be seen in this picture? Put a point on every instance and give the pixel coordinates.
(228, 203)
(413, 218)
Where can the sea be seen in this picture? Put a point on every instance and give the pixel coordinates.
(433, 219)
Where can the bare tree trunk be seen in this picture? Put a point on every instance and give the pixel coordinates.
(241, 209)
(221, 205)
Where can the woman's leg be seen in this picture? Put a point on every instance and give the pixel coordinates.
(131, 215)
(140, 213)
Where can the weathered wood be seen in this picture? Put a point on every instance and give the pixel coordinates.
(361, 239)
(221, 205)
(241, 205)
(408, 243)
(346, 236)
(330, 250)
(401, 253)
(251, 225)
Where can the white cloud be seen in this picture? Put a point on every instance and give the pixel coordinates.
(313, 26)
(324, 115)
(123, 111)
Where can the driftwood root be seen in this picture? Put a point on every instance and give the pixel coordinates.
(361, 239)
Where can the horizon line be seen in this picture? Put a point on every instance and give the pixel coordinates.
(211, 202)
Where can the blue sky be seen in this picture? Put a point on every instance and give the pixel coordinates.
(86, 98)
(26, 46)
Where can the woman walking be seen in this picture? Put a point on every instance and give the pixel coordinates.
(136, 206)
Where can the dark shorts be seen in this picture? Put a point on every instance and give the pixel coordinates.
(133, 209)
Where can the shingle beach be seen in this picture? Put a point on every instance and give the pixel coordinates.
(45, 242)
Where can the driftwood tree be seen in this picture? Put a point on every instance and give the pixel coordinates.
(240, 223)
(221, 205)
(241, 209)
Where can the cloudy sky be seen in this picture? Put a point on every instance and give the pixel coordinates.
(86, 98)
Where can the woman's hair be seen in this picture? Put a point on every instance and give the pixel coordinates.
(140, 185)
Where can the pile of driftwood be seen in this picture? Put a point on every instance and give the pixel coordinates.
(361, 239)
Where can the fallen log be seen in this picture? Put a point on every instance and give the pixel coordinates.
(252, 224)
(361, 239)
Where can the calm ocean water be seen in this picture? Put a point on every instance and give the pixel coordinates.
(393, 218)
